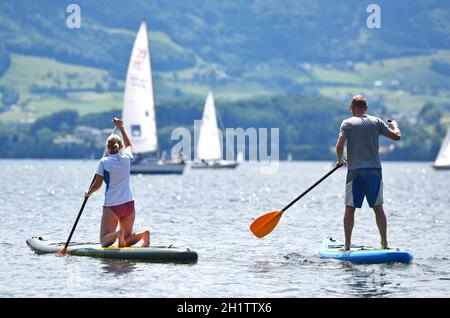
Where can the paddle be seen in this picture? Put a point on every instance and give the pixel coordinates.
(63, 251)
(266, 223)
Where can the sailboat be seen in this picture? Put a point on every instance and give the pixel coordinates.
(139, 112)
(209, 148)
(443, 158)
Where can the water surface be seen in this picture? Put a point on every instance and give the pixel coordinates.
(210, 212)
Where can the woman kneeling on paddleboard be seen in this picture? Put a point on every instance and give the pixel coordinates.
(118, 208)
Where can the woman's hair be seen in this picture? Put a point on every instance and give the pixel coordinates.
(114, 144)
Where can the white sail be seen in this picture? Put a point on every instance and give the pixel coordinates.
(138, 102)
(443, 158)
(209, 145)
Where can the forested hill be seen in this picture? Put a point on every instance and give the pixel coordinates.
(233, 34)
(308, 129)
(290, 64)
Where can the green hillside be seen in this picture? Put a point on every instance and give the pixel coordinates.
(26, 71)
(46, 85)
(230, 33)
(241, 49)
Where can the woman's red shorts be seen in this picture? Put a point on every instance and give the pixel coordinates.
(123, 210)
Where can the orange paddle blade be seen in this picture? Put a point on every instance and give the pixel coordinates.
(63, 251)
(265, 224)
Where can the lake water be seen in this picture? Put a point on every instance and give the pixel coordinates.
(210, 212)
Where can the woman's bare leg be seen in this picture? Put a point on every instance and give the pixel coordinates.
(126, 227)
(108, 234)
(136, 237)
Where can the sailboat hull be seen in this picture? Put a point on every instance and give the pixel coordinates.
(215, 165)
(157, 168)
(441, 167)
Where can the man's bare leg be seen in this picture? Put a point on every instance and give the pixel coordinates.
(349, 220)
(382, 224)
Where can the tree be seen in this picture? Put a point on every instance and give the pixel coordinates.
(65, 119)
(9, 96)
(5, 60)
(99, 88)
(430, 114)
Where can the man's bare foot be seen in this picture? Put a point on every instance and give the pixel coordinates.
(146, 239)
(122, 242)
(346, 247)
(384, 245)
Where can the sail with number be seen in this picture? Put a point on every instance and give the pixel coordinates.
(138, 103)
(209, 145)
(443, 158)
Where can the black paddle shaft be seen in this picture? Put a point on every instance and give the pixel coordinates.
(78, 218)
(312, 187)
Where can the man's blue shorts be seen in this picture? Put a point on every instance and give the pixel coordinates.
(366, 182)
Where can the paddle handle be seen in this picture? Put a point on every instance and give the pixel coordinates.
(312, 187)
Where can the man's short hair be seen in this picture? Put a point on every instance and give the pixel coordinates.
(359, 101)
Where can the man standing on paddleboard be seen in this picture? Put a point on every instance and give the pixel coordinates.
(364, 177)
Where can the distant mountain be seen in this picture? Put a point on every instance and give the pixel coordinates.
(233, 34)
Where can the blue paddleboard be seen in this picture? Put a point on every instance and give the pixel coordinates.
(363, 254)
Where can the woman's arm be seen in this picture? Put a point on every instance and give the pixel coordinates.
(97, 184)
(126, 141)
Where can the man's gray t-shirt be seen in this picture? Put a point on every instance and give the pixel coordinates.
(362, 135)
